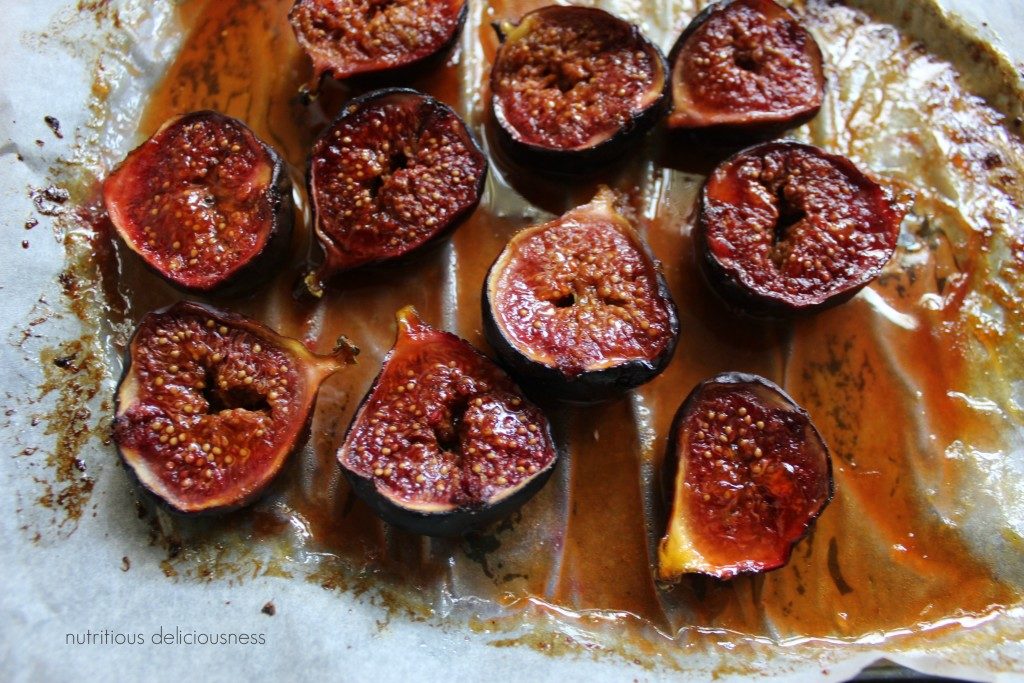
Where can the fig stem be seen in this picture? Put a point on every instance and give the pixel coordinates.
(313, 284)
(345, 351)
(502, 29)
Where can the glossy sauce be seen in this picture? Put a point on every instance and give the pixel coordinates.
(876, 374)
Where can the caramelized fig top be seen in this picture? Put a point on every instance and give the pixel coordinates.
(744, 63)
(582, 293)
(395, 170)
(199, 200)
(350, 37)
(571, 78)
(750, 473)
(212, 403)
(794, 226)
(444, 428)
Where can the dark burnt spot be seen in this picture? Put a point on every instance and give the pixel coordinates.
(992, 160)
(54, 125)
(49, 200)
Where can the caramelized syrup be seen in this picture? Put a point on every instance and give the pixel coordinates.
(880, 558)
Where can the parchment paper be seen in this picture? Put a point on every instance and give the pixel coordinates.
(95, 569)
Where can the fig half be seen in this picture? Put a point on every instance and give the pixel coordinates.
(574, 85)
(787, 228)
(579, 306)
(396, 171)
(444, 442)
(347, 38)
(745, 66)
(749, 474)
(205, 203)
(211, 404)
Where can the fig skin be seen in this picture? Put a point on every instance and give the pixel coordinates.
(443, 524)
(278, 196)
(440, 519)
(590, 386)
(697, 563)
(334, 261)
(757, 301)
(577, 160)
(315, 369)
(727, 125)
(401, 71)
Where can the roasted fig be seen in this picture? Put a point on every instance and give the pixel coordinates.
(395, 171)
(787, 228)
(211, 404)
(205, 203)
(748, 472)
(745, 67)
(444, 441)
(572, 86)
(579, 305)
(348, 38)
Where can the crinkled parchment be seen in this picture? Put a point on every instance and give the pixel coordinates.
(79, 556)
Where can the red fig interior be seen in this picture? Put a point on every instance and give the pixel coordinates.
(212, 404)
(581, 293)
(194, 200)
(745, 62)
(394, 171)
(345, 37)
(443, 427)
(795, 224)
(751, 475)
(570, 78)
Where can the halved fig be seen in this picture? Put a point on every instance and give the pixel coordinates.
(444, 442)
(397, 170)
(205, 203)
(211, 404)
(346, 38)
(745, 66)
(574, 85)
(787, 228)
(749, 473)
(579, 305)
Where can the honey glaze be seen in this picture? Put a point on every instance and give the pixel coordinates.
(908, 383)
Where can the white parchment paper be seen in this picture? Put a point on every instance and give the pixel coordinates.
(100, 572)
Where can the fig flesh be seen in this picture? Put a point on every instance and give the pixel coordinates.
(211, 404)
(346, 38)
(749, 474)
(747, 67)
(444, 442)
(205, 203)
(396, 171)
(579, 305)
(574, 85)
(786, 228)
